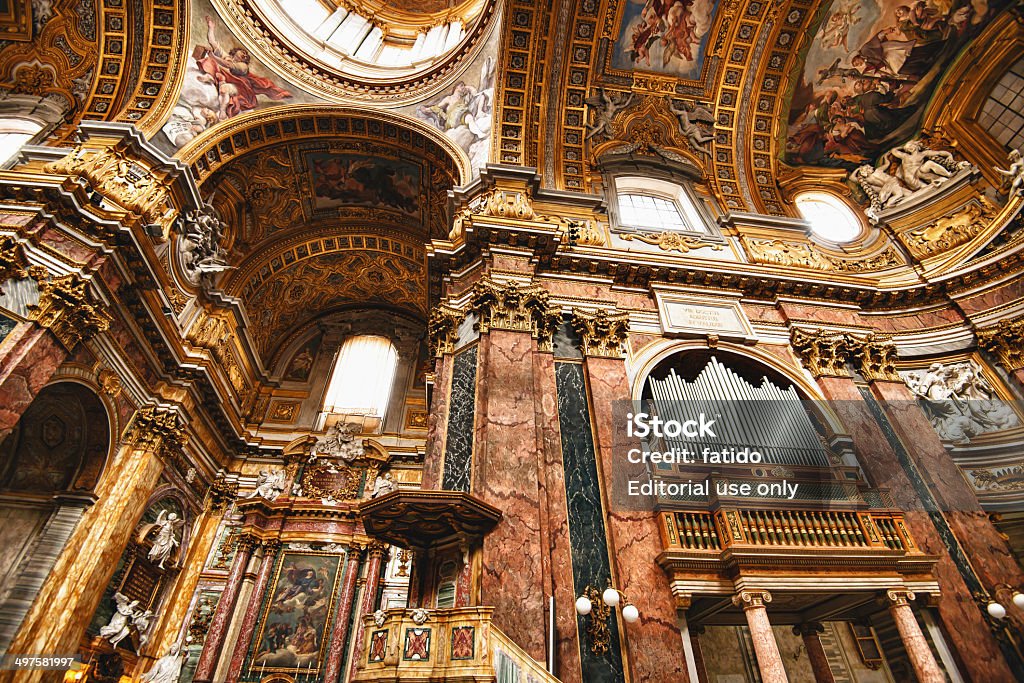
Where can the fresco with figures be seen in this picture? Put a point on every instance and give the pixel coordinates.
(296, 617)
(666, 36)
(869, 73)
(340, 179)
(222, 80)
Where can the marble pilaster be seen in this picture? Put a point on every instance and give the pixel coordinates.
(810, 633)
(252, 611)
(375, 559)
(339, 635)
(769, 661)
(225, 608)
(920, 654)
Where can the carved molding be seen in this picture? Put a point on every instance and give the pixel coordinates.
(1006, 342)
(825, 354)
(950, 231)
(673, 241)
(64, 309)
(520, 308)
(443, 329)
(803, 254)
(602, 334)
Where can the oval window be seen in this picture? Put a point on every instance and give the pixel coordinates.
(830, 217)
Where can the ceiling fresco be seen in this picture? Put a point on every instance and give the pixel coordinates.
(664, 36)
(869, 74)
(339, 180)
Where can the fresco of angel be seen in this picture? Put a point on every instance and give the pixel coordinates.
(465, 114)
(835, 31)
(664, 35)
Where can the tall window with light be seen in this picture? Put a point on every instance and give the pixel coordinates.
(360, 386)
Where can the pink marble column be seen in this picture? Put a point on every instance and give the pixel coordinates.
(698, 654)
(815, 652)
(336, 648)
(32, 355)
(914, 642)
(376, 552)
(225, 608)
(252, 610)
(769, 661)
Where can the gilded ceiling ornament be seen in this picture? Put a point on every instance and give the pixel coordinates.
(1004, 479)
(503, 204)
(950, 231)
(1006, 341)
(442, 329)
(110, 383)
(65, 310)
(673, 241)
(803, 254)
(825, 354)
(601, 334)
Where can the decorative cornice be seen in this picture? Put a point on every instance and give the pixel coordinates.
(602, 334)
(443, 329)
(825, 354)
(64, 309)
(1006, 342)
(515, 307)
(752, 599)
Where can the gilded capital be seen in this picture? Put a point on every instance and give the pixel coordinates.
(443, 329)
(809, 628)
(156, 430)
(516, 307)
(823, 353)
(602, 334)
(1006, 342)
(876, 358)
(64, 309)
(12, 261)
(752, 599)
(221, 494)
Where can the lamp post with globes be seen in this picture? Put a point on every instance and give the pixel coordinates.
(598, 605)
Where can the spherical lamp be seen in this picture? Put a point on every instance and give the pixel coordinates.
(630, 614)
(996, 610)
(1018, 599)
(610, 597)
(583, 606)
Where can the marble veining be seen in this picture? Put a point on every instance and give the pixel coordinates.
(587, 537)
(458, 453)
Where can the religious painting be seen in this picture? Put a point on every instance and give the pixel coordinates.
(344, 179)
(870, 72)
(465, 113)
(301, 363)
(665, 36)
(221, 81)
(296, 616)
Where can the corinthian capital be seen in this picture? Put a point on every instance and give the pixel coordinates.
(602, 334)
(12, 261)
(443, 329)
(516, 307)
(823, 353)
(157, 430)
(876, 358)
(65, 310)
(1006, 342)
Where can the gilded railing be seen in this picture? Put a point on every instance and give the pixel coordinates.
(819, 529)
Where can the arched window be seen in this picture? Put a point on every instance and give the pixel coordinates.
(14, 134)
(362, 377)
(1003, 112)
(830, 217)
(651, 204)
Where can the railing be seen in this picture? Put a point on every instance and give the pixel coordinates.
(725, 528)
(450, 644)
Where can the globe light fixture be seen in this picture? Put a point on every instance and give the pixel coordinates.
(599, 605)
(995, 610)
(610, 597)
(630, 614)
(1018, 599)
(583, 605)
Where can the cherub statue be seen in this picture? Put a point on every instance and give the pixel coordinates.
(340, 441)
(167, 669)
(269, 484)
(921, 167)
(1015, 174)
(119, 626)
(688, 118)
(140, 620)
(165, 542)
(605, 107)
(383, 485)
(884, 190)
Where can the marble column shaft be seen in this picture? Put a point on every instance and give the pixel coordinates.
(33, 355)
(655, 652)
(81, 574)
(505, 474)
(437, 423)
(810, 633)
(914, 642)
(222, 616)
(252, 612)
(769, 660)
(978, 651)
(336, 648)
(366, 605)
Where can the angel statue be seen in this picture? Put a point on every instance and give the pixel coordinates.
(383, 485)
(164, 543)
(167, 669)
(340, 441)
(140, 620)
(689, 124)
(605, 107)
(269, 485)
(120, 623)
(1015, 174)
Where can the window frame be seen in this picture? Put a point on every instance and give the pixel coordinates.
(836, 203)
(331, 405)
(692, 209)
